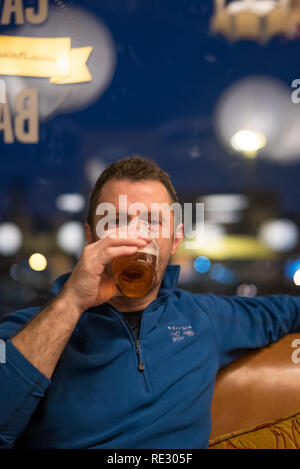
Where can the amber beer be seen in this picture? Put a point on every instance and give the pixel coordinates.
(135, 275)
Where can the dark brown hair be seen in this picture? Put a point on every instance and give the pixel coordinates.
(133, 168)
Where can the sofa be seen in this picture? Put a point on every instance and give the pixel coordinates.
(256, 401)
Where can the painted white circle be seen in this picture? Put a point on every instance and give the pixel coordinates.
(84, 29)
(262, 106)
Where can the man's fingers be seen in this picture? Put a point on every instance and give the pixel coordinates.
(111, 253)
(103, 251)
(103, 243)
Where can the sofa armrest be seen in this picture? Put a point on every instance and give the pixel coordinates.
(262, 386)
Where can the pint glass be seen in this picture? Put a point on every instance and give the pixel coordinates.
(135, 275)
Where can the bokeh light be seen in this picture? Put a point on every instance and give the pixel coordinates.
(262, 106)
(297, 278)
(94, 167)
(37, 262)
(14, 272)
(70, 237)
(279, 234)
(221, 274)
(11, 238)
(247, 290)
(224, 208)
(291, 267)
(72, 203)
(202, 264)
(248, 141)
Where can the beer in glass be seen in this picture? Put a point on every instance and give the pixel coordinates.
(136, 275)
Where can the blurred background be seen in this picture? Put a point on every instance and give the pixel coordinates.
(207, 89)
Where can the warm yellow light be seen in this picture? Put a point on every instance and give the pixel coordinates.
(248, 141)
(37, 262)
(297, 277)
(232, 247)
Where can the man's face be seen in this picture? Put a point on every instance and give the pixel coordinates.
(146, 192)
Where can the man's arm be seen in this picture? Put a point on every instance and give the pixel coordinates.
(33, 352)
(43, 339)
(242, 324)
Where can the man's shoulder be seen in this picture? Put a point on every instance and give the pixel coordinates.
(182, 295)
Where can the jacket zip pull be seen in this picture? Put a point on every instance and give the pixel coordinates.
(138, 351)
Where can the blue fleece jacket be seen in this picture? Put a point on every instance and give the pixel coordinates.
(109, 391)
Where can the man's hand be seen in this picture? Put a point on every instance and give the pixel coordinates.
(89, 284)
(43, 339)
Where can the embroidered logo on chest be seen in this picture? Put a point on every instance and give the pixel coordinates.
(178, 333)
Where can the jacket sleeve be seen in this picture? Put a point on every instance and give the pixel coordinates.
(21, 384)
(242, 324)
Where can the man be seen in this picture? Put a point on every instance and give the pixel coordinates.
(96, 369)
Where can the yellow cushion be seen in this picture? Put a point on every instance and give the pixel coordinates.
(278, 434)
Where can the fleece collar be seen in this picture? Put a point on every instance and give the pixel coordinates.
(168, 284)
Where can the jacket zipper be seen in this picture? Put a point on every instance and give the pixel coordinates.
(141, 365)
(138, 349)
(139, 353)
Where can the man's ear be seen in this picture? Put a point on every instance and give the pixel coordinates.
(178, 237)
(88, 233)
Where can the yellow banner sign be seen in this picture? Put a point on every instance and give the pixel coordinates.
(44, 57)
